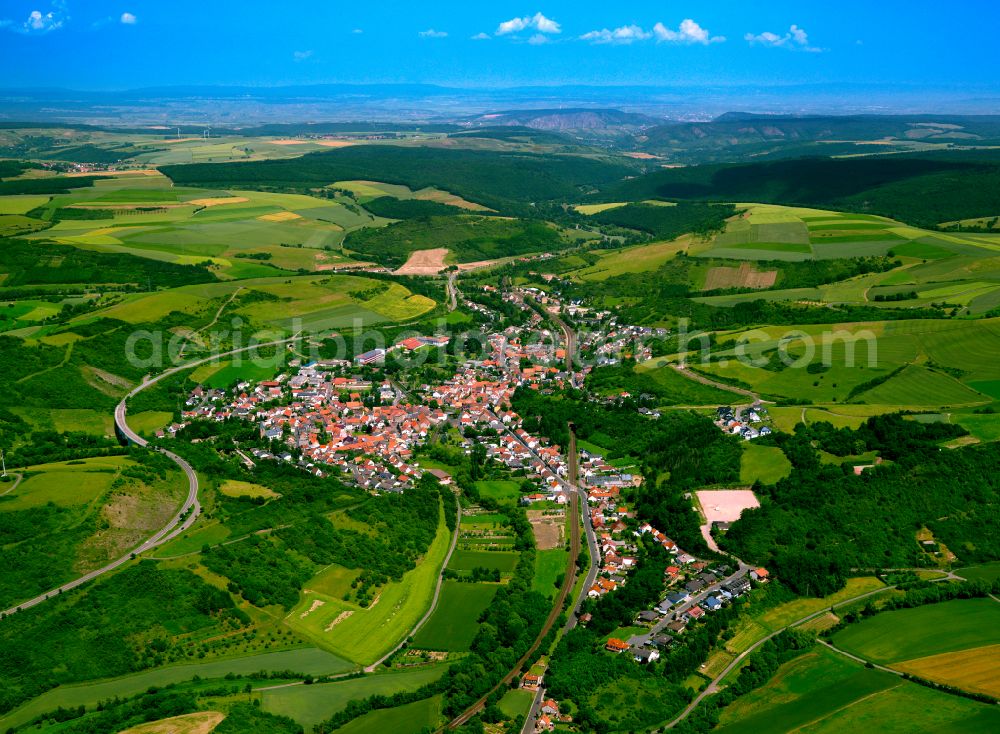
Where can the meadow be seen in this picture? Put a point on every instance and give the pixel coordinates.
(309, 705)
(455, 620)
(499, 490)
(550, 566)
(466, 560)
(766, 464)
(362, 635)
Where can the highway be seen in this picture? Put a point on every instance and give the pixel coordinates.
(189, 510)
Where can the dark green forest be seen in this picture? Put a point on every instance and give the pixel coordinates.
(921, 191)
(822, 520)
(669, 222)
(508, 182)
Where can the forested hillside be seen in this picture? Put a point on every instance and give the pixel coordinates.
(949, 188)
(823, 520)
(502, 181)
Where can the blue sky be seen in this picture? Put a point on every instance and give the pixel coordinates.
(107, 44)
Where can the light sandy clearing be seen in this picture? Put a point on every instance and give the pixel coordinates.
(340, 618)
(424, 262)
(200, 723)
(444, 197)
(642, 156)
(219, 200)
(279, 217)
(726, 505)
(317, 603)
(548, 529)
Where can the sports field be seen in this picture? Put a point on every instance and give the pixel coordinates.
(309, 705)
(455, 621)
(365, 634)
(824, 692)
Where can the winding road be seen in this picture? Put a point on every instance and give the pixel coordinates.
(188, 511)
(713, 687)
(11, 488)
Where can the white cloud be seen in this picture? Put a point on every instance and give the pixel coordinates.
(536, 22)
(687, 32)
(129, 19)
(357, 31)
(302, 55)
(796, 39)
(481, 37)
(431, 33)
(624, 35)
(538, 39)
(38, 22)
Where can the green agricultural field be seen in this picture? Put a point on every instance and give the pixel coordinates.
(822, 691)
(984, 427)
(466, 560)
(876, 349)
(766, 464)
(921, 386)
(550, 566)
(985, 572)
(365, 634)
(184, 225)
(454, 623)
(905, 634)
(410, 718)
(311, 302)
(21, 204)
(309, 705)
